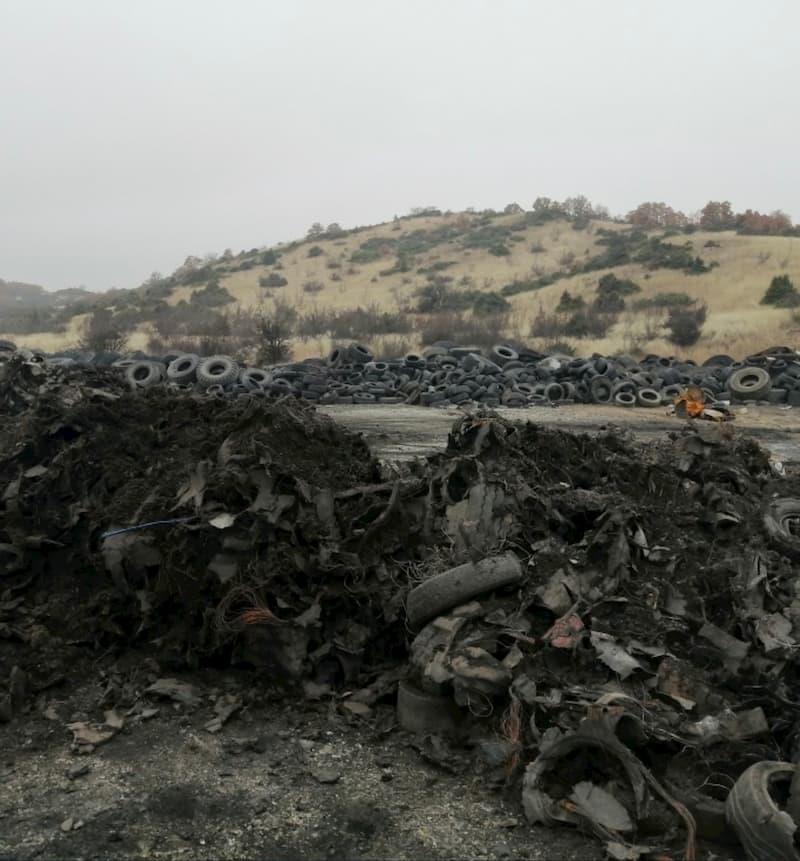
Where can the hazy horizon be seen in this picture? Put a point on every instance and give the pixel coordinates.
(138, 134)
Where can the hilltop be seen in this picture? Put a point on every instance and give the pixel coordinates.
(538, 276)
(16, 296)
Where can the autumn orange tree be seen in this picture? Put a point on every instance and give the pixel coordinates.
(652, 215)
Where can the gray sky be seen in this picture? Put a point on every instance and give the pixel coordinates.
(135, 133)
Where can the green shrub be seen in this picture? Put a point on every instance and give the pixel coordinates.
(193, 276)
(486, 236)
(499, 249)
(315, 251)
(272, 280)
(609, 285)
(781, 293)
(490, 303)
(665, 300)
(568, 302)
(589, 323)
(685, 325)
(526, 285)
(438, 296)
(269, 258)
(212, 296)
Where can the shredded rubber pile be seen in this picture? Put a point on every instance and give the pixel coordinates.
(634, 654)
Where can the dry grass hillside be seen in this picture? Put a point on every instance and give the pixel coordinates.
(375, 275)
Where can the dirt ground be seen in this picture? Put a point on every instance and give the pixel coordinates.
(402, 432)
(275, 783)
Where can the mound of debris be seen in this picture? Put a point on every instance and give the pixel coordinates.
(446, 374)
(612, 625)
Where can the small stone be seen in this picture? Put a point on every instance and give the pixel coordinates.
(114, 837)
(383, 760)
(67, 824)
(79, 769)
(386, 776)
(301, 805)
(323, 774)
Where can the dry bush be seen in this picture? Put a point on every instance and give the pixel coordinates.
(392, 347)
(355, 323)
(202, 346)
(315, 322)
(102, 334)
(484, 331)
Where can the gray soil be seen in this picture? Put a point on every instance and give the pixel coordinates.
(276, 782)
(402, 432)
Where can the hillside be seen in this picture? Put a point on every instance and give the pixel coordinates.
(17, 295)
(461, 269)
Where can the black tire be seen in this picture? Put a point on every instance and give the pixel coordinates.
(749, 384)
(669, 393)
(554, 392)
(255, 378)
(648, 398)
(359, 354)
(782, 522)
(7, 347)
(143, 375)
(625, 399)
(217, 371)
(425, 714)
(600, 389)
(765, 831)
(721, 359)
(624, 386)
(502, 353)
(457, 585)
(183, 369)
(335, 358)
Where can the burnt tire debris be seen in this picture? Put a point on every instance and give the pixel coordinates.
(449, 375)
(611, 628)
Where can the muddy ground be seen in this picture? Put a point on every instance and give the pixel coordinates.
(404, 432)
(280, 779)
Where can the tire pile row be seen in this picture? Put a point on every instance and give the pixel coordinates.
(446, 374)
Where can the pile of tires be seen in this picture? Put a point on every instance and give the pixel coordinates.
(447, 374)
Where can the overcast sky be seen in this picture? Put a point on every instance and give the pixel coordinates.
(135, 133)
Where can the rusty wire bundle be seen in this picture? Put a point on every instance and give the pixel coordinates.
(240, 608)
